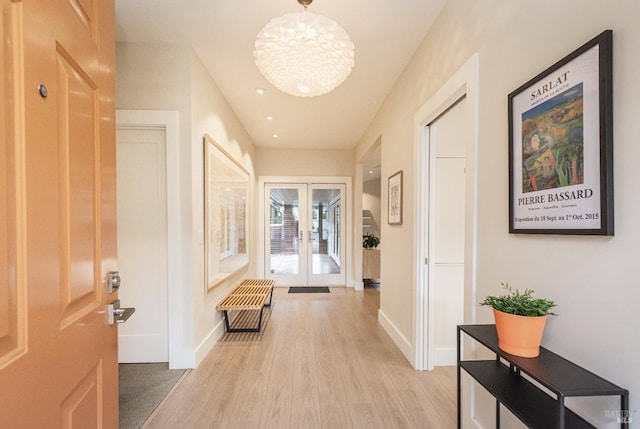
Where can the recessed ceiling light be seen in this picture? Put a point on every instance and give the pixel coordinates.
(370, 171)
(269, 118)
(261, 91)
(275, 136)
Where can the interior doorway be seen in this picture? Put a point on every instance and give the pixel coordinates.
(447, 230)
(162, 329)
(304, 226)
(446, 189)
(371, 221)
(142, 242)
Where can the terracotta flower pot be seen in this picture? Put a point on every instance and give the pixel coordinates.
(519, 335)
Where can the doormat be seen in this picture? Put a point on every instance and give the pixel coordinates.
(143, 386)
(305, 289)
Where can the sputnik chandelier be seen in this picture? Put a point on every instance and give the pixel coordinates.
(304, 54)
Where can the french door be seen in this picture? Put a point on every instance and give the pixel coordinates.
(304, 228)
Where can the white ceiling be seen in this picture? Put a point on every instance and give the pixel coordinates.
(386, 33)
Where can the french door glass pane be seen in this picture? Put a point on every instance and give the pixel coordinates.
(284, 240)
(324, 230)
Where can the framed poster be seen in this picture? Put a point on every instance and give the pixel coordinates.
(226, 220)
(395, 199)
(561, 146)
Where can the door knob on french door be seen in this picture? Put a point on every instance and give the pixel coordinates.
(310, 236)
(300, 235)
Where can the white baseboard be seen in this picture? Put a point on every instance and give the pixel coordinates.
(210, 340)
(400, 341)
(180, 359)
(358, 285)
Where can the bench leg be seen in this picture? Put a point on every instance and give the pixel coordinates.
(226, 320)
(260, 319)
(230, 329)
(270, 299)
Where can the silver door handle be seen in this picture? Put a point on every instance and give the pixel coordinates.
(310, 236)
(116, 314)
(300, 235)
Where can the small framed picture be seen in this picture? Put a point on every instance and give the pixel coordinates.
(395, 199)
(561, 146)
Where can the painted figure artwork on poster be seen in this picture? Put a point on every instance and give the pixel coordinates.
(553, 142)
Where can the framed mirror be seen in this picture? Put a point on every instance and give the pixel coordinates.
(226, 208)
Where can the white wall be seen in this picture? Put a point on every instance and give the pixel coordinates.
(154, 77)
(589, 277)
(301, 162)
(212, 115)
(167, 77)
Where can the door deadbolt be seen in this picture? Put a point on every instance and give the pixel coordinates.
(113, 281)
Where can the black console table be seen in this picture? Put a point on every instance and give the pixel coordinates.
(503, 379)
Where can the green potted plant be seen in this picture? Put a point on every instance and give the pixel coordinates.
(520, 320)
(369, 241)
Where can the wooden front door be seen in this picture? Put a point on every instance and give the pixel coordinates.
(58, 354)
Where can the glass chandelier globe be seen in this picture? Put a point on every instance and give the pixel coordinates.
(304, 54)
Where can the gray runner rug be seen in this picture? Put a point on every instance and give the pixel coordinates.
(142, 387)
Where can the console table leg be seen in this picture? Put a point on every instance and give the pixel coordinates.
(497, 414)
(624, 405)
(561, 412)
(459, 388)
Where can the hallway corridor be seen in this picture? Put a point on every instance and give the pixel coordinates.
(321, 361)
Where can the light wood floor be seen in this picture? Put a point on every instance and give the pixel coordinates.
(321, 361)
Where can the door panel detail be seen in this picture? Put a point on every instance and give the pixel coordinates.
(83, 404)
(86, 9)
(12, 211)
(77, 162)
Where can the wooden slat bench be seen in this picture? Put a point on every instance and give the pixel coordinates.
(251, 294)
